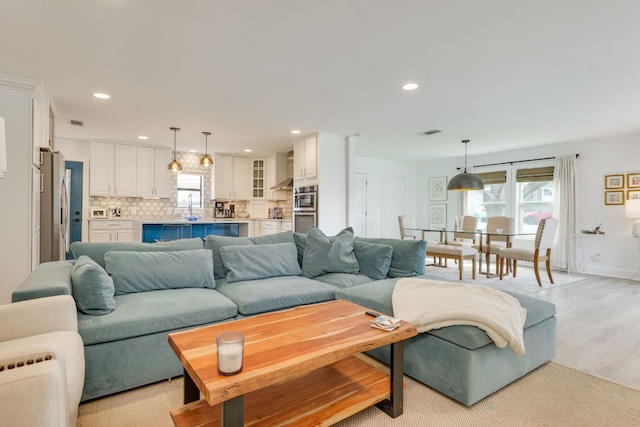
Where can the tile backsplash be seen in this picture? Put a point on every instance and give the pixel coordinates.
(143, 208)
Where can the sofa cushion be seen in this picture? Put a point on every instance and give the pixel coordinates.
(216, 242)
(151, 312)
(324, 255)
(301, 242)
(275, 293)
(251, 262)
(148, 271)
(377, 296)
(343, 280)
(408, 255)
(93, 288)
(97, 250)
(374, 259)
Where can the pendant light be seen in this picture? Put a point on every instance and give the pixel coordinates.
(465, 181)
(174, 166)
(206, 160)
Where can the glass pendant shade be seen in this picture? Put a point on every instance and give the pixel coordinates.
(465, 181)
(174, 166)
(206, 160)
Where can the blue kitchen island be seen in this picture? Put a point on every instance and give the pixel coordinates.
(160, 231)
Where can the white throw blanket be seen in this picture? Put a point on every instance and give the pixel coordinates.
(432, 304)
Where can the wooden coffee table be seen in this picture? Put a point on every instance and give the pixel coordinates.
(299, 368)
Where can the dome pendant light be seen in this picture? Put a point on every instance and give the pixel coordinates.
(465, 181)
(206, 160)
(174, 166)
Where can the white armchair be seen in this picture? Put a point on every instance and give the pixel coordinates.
(41, 363)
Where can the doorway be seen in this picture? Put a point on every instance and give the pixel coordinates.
(359, 209)
(73, 177)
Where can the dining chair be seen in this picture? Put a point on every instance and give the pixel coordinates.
(507, 225)
(541, 251)
(467, 236)
(405, 222)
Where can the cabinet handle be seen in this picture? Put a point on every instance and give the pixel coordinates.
(41, 179)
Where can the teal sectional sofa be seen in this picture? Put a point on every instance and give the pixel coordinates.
(130, 296)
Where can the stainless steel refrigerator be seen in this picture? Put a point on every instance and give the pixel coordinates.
(54, 207)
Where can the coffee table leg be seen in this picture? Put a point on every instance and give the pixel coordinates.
(233, 412)
(393, 407)
(191, 392)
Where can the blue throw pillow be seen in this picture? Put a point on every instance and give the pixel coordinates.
(149, 271)
(251, 262)
(324, 255)
(93, 288)
(374, 259)
(408, 255)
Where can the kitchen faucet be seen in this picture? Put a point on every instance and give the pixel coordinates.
(190, 204)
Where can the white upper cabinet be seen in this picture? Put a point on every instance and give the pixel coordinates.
(231, 178)
(112, 169)
(305, 159)
(153, 177)
(258, 179)
(125, 170)
(276, 173)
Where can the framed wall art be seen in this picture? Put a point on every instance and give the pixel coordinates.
(438, 189)
(633, 194)
(614, 197)
(633, 180)
(614, 181)
(438, 216)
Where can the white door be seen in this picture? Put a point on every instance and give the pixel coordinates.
(358, 209)
(393, 204)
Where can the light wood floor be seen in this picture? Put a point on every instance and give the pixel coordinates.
(599, 327)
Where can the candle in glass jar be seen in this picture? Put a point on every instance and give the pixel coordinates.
(230, 351)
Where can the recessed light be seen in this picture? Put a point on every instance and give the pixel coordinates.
(101, 95)
(247, 150)
(143, 137)
(409, 86)
(295, 131)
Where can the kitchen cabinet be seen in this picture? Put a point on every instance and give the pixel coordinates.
(305, 160)
(153, 178)
(230, 178)
(258, 179)
(42, 117)
(286, 226)
(114, 231)
(112, 169)
(269, 227)
(276, 172)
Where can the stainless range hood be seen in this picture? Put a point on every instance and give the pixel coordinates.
(287, 184)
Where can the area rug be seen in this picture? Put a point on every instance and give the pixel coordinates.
(552, 395)
(524, 283)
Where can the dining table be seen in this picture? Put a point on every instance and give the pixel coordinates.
(484, 238)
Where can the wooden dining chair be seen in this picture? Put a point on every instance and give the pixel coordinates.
(541, 251)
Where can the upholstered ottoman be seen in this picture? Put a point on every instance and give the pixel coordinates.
(461, 361)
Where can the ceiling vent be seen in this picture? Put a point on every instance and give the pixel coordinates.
(73, 122)
(429, 132)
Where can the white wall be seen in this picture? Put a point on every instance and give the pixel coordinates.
(376, 169)
(78, 151)
(15, 191)
(598, 157)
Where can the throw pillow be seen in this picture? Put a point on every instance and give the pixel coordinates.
(92, 287)
(215, 243)
(374, 259)
(97, 250)
(148, 271)
(324, 255)
(408, 255)
(251, 262)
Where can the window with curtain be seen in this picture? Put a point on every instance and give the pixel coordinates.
(190, 183)
(518, 190)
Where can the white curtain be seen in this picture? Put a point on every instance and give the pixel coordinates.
(566, 252)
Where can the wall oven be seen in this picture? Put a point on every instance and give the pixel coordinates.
(305, 208)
